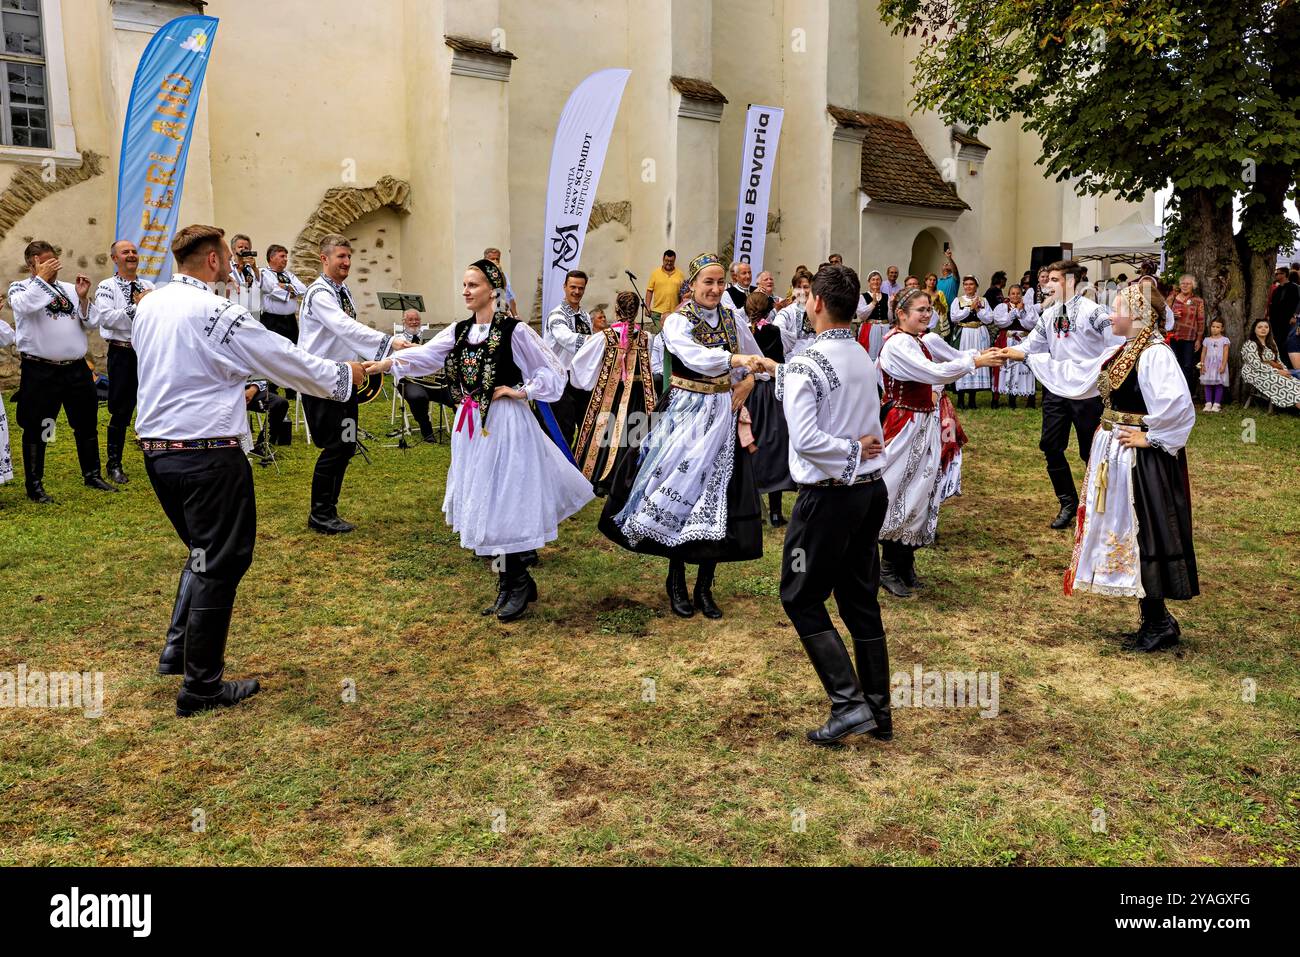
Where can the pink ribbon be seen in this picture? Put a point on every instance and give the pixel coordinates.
(468, 408)
(622, 344)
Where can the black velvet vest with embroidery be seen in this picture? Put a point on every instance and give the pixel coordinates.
(476, 370)
(724, 336)
(1127, 396)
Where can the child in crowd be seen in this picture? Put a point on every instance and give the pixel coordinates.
(1214, 366)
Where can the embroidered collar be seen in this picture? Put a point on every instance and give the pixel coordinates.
(185, 280)
(839, 332)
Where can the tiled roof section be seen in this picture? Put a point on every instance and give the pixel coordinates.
(849, 118)
(697, 89)
(965, 139)
(481, 47)
(897, 169)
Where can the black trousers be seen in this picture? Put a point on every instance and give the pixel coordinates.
(1059, 414)
(43, 389)
(334, 431)
(569, 410)
(830, 549)
(418, 398)
(276, 410)
(207, 495)
(123, 384)
(1185, 353)
(286, 326)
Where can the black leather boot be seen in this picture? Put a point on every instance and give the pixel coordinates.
(95, 480)
(1011, 401)
(679, 599)
(774, 509)
(34, 472)
(891, 564)
(704, 602)
(850, 713)
(1031, 403)
(1159, 628)
(335, 492)
(995, 400)
(520, 590)
(501, 596)
(322, 517)
(205, 665)
(1066, 494)
(873, 675)
(907, 571)
(172, 660)
(115, 443)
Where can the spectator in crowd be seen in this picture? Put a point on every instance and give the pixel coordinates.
(1214, 366)
(493, 255)
(740, 288)
(836, 259)
(1282, 308)
(1262, 370)
(939, 302)
(1279, 280)
(949, 283)
(891, 286)
(994, 295)
(243, 262)
(1189, 328)
(663, 293)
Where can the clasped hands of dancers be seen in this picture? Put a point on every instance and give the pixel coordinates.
(685, 491)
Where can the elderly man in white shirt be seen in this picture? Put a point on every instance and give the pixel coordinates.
(51, 319)
(197, 351)
(830, 396)
(113, 311)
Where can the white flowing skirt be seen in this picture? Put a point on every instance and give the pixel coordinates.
(876, 339)
(1016, 377)
(1105, 558)
(680, 491)
(509, 487)
(981, 378)
(6, 457)
(912, 476)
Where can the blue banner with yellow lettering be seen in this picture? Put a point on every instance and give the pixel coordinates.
(156, 139)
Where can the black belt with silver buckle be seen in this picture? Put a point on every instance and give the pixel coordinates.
(51, 362)
(836, 483)
(171, 445)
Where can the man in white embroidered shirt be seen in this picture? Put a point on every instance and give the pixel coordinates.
(282, 293)
(197, 350)
(51, 319)
(832, 408)
(1078, 329)
(567, 328)
(329, 329)
(113, 311)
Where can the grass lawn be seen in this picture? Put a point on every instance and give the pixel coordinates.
(470, 742)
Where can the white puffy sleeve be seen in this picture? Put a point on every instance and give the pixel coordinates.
(544, 377)
(1068, 378)
(6, 334)
(657, 355)
(748, 345)
(257, 351)
(788, 323)
(587, 362)
(902, 359)
(678, 340)
(1170, 413)
(424, 359)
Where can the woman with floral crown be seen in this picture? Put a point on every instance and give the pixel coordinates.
(509, 486)
(689, 493)
(1134, 527)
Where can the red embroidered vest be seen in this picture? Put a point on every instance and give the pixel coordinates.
(911, 396)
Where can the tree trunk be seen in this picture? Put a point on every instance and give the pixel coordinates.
(1232, 280)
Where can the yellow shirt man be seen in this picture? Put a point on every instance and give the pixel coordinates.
(663, 292)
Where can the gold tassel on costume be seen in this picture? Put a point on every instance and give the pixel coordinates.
(1103, 475)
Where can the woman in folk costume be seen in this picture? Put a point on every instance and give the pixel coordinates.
(922, 462)
(766, 420)
(1015, 319)
(689, 494)
(508, 486)
(873, 314)
(614, 366)
(972, 320)
(1134, 530)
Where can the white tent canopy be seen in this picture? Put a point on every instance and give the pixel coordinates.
(1127, 241)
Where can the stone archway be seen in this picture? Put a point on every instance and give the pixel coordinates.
(339, 209)
(927, 252)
